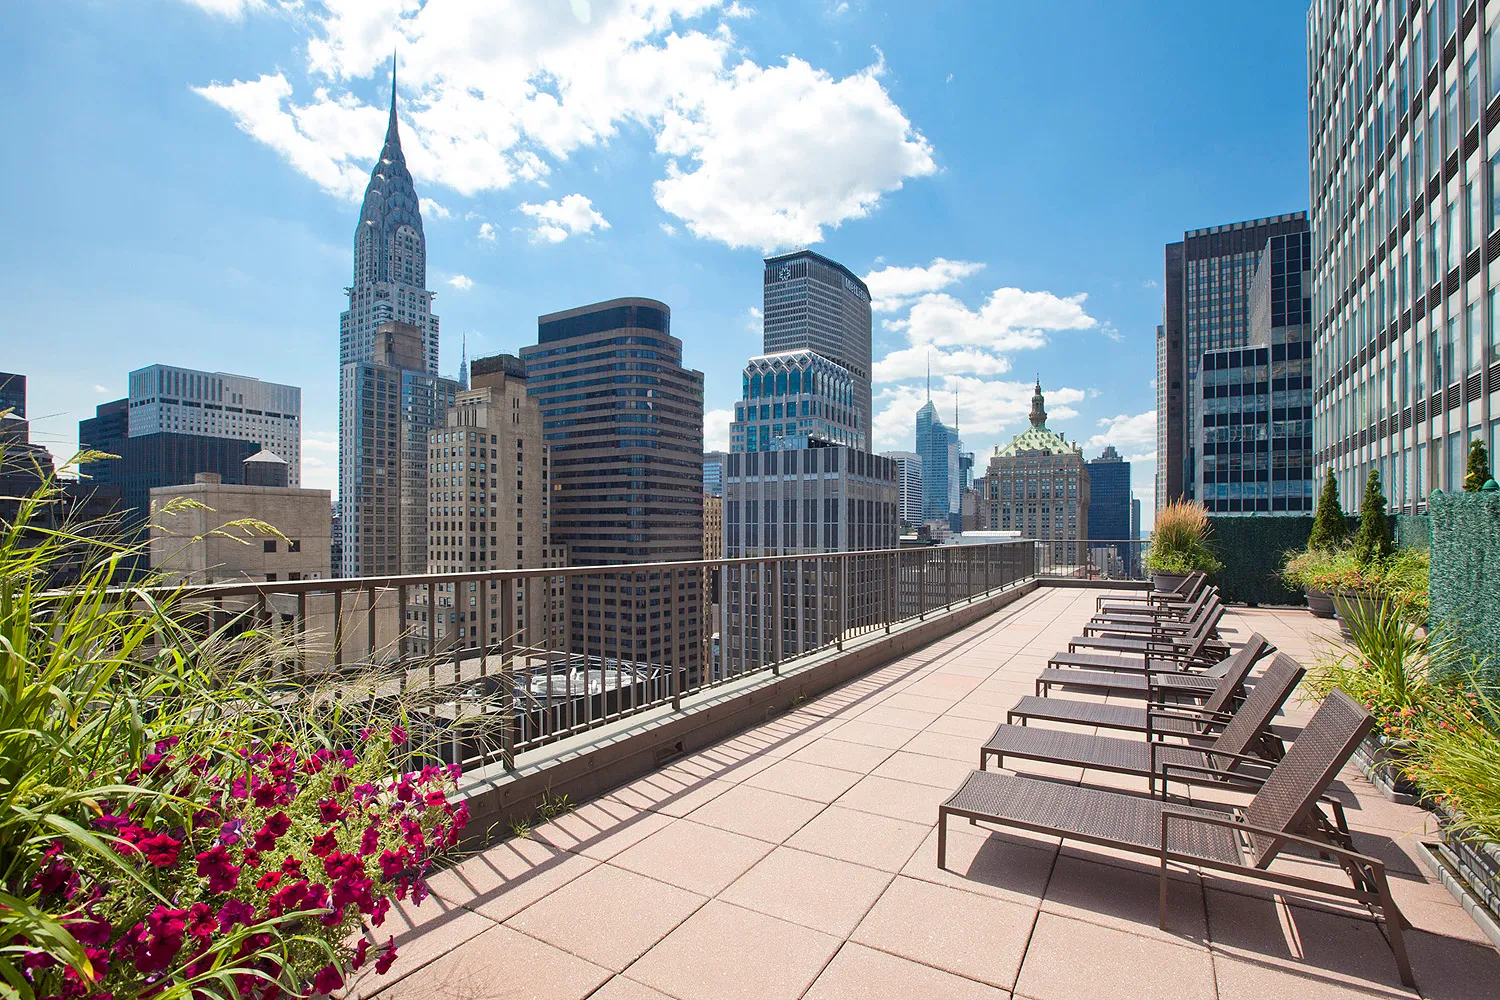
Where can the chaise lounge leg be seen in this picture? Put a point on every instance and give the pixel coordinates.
(1395, 921)
(943, 838)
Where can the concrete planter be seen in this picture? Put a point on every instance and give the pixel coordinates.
(1470, 867)
(1167, 581)
(1320, 603)
(1379, 759)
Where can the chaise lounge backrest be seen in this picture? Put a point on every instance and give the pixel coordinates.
(1259, 708)
(1236, 669)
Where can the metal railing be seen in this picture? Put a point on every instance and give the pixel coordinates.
(505, 661)
(1106, 559)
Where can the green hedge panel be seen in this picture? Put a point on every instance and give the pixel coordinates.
(1465, 575)
(1253, 550)
(1412, 531)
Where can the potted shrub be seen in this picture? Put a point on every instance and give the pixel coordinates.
(1371, 546)
(1311, 568)
(1179, 545)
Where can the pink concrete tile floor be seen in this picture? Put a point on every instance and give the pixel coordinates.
(799, 860)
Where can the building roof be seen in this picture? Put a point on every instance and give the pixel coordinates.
(390, 197)
(1037, 439)
(266, 456)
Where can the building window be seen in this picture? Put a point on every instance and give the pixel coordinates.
(294, 545)
(269, 545)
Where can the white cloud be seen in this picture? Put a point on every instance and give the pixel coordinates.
(486, 232)
(716, 429)
(893, 288)
(1010, 319)
(101, 388)
(1108, 329)
(234, 10)
(914, 362)
(320, 461)
(948, 78)
(737, 10)
(747, 171)
(755, 322)
(433, 210)
(498, 92)
(990, 410)
(462, 282)
(557, 220)
(668, 228)
(1133, 435)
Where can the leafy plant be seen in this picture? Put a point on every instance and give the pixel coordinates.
(1330, 528)
(173, 825)
(1479, 467)
(1456, 758)
(1373, 540)
(1179, 541)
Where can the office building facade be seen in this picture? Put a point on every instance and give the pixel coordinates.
(1109, 497)
(168, 399)
(623, 420)
(1207, 279)
(388, 404)
(713, 473)
(792, 398)
(909, 478)
(1403, 175)
(937, 446)
(812, 303)
(1038, 485)
(13, 394)
(1254, 433)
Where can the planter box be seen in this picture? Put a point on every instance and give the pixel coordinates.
(1320, 603)
(1470, 868)
(1376, 759)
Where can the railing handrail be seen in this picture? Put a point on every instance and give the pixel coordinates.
(422, 579)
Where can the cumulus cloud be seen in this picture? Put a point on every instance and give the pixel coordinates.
(101, 388)
(462, 282)
(1133, 435)
(990, 410)
(486, 232)
(500, 92)
(320, 461)
(755, 321)
(234, 10)
(557, 220)
(433, 210)
(668, 228)
(716, 429)
(893, 288)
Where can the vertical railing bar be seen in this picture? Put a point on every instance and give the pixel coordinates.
(338, 626)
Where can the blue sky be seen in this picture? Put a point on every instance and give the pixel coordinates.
(184, 177)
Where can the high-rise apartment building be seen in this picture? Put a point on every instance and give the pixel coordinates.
(817, 304)
(937, 446)
(1039, 485)
(388, 403)
(390, 395)
(487, 497)
(1405, 169)
(909, 475)
(1254, 433)
(1206, 283)
(624, 422)
(171, 400)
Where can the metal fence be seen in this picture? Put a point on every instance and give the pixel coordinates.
(1102, 559)
(495, 663)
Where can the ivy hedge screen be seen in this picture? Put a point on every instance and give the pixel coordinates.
(1253, 550)
(1465, 576)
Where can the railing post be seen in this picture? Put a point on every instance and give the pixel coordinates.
(776, 623)
(948, 577)
(891, 591)
(922, 585)
(843, 596)
(507, 675)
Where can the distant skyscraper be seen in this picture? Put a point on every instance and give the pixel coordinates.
(388, 404)
(713, 473)
(909, 472)
(13, 394)
(625, 428)
(937, 445)
(166, 399)
(814, 303)
(388, 359)
(1039, 485)
(1109, 497)
(1207, 279)
(1255, 426)
(105, 431)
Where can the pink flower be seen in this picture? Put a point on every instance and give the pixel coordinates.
(160, 850)
(214, 865)
(329, 811)
(393, 863)
(398, 735)
(327, 979)
(157, 941)
(369, 840)
(360, 950)
(236, 911)
(201, 922)
(324, 843)
(387, 957)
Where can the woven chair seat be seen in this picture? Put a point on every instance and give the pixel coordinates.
(1109, 661)
(1093, 814)
(1093, 713)
(1104, 753)
(1115, 682)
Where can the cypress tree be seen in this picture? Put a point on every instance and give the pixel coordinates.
(1374, 538)
(1479, 467)
(1329, 529)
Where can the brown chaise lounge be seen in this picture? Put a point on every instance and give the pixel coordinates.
(1184, 593)
(1157, 681)
(1244, 841)
(1228, 750)
(1190, 721)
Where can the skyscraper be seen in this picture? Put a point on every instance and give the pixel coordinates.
(1254, 433)
(13, 394)
(387, 405)
(1039, 485)
(937, 446)
(624, 422)
(817, 304)
(1109, 497)
(1207, 281)
(713, 473)
(1404, 175)
(390, 395)
(909, 473)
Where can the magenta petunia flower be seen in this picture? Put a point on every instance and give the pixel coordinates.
(327, 979)
(215, 865)
(386, 958)
(160, 849)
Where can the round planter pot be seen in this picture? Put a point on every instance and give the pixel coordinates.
(1167, 581)
(1362, 607)
(1320, 603)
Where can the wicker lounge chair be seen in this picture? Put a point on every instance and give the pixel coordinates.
(1284, 812)
(1184, 592)
(1208, 607)
(1200, 721)
(1242, 735)
(1201, 640)
(1152, 679)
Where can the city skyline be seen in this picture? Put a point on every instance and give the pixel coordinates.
(538, 248)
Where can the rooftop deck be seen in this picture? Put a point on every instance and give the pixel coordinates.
(798, 859)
